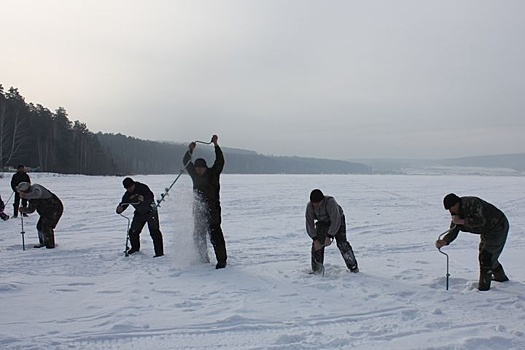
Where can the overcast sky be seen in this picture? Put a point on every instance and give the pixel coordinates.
(331, 79)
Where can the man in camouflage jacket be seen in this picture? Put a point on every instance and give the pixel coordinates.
(474, 215)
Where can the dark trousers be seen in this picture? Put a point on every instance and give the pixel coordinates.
(16, 203)
(50, 214)
(218, 243)
(491, 245)
(207, 220)
(317, 256)
(137, 224)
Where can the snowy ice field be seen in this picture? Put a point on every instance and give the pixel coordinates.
(86, 294)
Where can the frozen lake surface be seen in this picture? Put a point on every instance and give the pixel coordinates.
(86, 294)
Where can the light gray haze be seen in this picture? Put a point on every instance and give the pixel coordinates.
(332, 79)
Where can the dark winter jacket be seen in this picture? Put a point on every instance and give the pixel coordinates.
(480, 218)
(208, 185)
(45, 202)
(17, 178)
(146, 206)
(329, 213)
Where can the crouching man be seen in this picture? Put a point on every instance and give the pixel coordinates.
(474, 215)
(325, 220)
(47, 205)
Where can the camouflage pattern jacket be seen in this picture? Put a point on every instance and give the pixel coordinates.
(480, 218)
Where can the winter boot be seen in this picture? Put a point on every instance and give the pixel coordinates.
(485, 276)
(348, 255)
(50, 239)
(317, 260)
(485, 270)
(132, 250)
(134, 240)
(158, 244)
(15, 211)
(221, 255)
(498, 274)
(41, 240)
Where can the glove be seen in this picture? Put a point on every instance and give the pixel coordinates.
(441, 243)
(326, 242)
(317, 245)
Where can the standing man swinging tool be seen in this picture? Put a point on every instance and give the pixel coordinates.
(474, 215)
(207, 205)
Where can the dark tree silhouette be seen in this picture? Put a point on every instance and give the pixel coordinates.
(48, 141)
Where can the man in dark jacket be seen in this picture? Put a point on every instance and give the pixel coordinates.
(142, 199)
(207, 206)
(325, 220)
(18, 177)
(47, 205)
(474, 215)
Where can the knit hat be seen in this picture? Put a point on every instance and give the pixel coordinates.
(316, 196)
(200, 162)
(450, 200)
(23, 187)
(128, 182)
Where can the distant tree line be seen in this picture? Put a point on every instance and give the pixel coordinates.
(34, 136)
(136, 156)
(511, 161)
(152, 157)
(48, 141)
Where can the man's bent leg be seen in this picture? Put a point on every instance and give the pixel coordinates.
(346, 249)
(156, 235)
(485, 270)
(49, 236)
(134, 232)
(317, 259)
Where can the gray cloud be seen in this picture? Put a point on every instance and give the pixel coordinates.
(337, 79)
